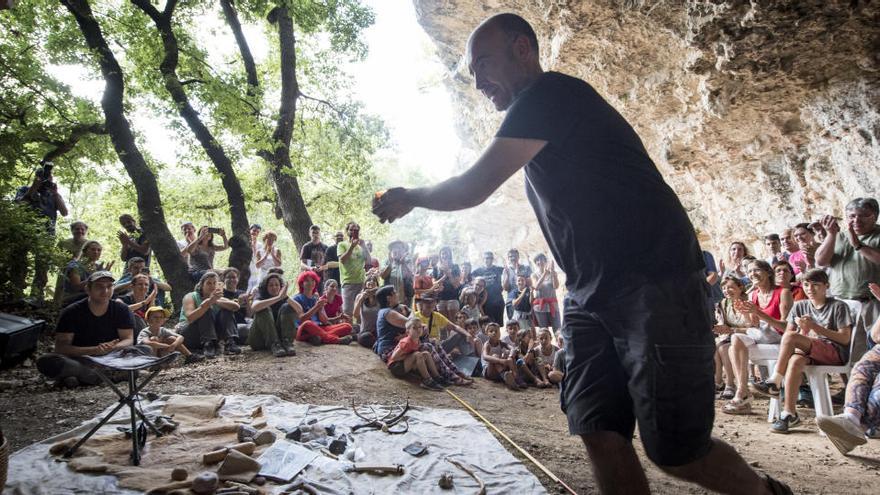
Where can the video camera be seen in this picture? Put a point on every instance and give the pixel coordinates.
(44, 173)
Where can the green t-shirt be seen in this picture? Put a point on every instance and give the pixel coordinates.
(850, 271)
(351, 271)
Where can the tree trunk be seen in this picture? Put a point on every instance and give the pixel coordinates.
(289, 203)
(241, 254)
(149, 203)
(288, 195)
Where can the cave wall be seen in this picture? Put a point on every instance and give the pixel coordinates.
(759, 114)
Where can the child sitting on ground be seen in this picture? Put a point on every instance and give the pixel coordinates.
(512, 328)
(481, 334)
(526, 362)
(558, 372)
(497, 365)
(162, 340)
(406, 357)
(545, 355)
(461, 346)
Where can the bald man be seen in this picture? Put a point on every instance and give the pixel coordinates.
(637, 331)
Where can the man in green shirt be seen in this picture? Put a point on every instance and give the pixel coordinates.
(352, 260)
(852, 255)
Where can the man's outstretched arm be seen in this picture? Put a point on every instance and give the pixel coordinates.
(501, 159)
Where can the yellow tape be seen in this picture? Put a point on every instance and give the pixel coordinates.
(511, 442)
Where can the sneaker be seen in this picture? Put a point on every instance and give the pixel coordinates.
(193, 358)
(738, 406)
(210, 349)
(782, 425)
(509, 380)
(314, 340)
(843, 433)
(765, 389)
(288, 348)
(277, 350)
(429, 384)
(344, 340)
(231, 348)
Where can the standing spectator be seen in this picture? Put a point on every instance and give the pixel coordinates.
(494, 306)
(352, 261)
(514, 269)
(852, 256)
(256, 246)
(92, 326)
(133, 239)
(520, 299)
(448, 274)
(804, 258)
(736, 254)
(397, 271)
(42, 196)
(78, 271)
(313, 253)
(544, 302)
(789, 245)
(713, 278)
(71, 247)
(269, 256)
(774, 249)
(467, 275)
(207, 318)
(189, 235)
(201, 253)
(331, 258)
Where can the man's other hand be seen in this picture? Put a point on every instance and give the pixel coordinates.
(393, 204)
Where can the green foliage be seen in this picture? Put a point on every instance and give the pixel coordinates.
(23, 231)
(334, 144)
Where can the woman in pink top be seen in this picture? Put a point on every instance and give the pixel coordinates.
(333, 308)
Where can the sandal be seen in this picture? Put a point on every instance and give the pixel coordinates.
(729, 392)
(738, 406)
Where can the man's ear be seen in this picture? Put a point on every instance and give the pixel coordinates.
(521, 47)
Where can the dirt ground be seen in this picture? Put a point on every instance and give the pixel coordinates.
(31, 410)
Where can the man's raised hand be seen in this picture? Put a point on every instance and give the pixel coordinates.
(393, 204)
(830, 224)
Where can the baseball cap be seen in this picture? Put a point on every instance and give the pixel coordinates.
(94, 277)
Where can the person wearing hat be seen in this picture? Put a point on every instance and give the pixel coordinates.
(92, 326)
(161, 340)
(397, 272)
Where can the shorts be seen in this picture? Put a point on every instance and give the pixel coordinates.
(397, 369)
(824, 353)
(648, 356)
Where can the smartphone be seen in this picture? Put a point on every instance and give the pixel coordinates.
(213, 230)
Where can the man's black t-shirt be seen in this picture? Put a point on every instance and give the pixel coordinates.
(331, 255)
(90, 330)
(313, 252)
(609, 218)
(233, 295)
(140, 237)
(492, 276)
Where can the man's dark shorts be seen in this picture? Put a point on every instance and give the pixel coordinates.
(647, 357)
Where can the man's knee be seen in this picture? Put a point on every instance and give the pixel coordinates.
(599, 441)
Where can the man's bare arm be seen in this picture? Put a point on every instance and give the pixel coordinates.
(501, 159)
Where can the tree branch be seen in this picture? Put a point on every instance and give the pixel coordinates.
(326, 103)
(191, 81)
(78, 131)
(247, 57)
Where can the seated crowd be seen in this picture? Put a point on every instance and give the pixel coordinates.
(812, 300)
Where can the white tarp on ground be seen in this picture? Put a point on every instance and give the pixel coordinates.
(446, 432)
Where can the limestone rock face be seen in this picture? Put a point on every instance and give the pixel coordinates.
(759, 114)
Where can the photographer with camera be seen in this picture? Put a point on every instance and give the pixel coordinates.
(42, 195)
